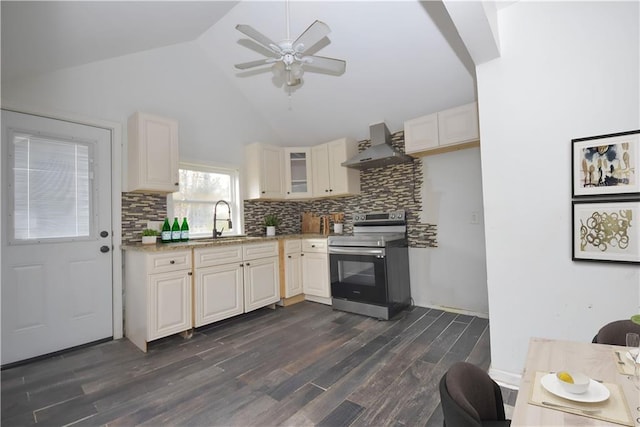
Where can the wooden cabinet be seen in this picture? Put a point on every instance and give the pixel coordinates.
(219, 284)
(330, 178)
(315, 271)
(152, 154)
(297, 172)
(447, 130)
(234, 279)
(261, 283)
(157, 295)
(261, 275)
(290, 269)
(264, 171)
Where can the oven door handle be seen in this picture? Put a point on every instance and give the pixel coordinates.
(377, 252)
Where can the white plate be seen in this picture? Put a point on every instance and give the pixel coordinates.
(595, 393)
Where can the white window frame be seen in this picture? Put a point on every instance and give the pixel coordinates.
(237, 209)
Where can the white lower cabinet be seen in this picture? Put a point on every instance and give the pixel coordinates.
(291, 266)
(157, 295)
(315, 271)
(219, 293)
(261, 283)
(234, 279)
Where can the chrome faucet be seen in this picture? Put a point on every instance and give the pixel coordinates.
(217, 233)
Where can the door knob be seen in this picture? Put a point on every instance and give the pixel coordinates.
(104, 233)
(104, 249)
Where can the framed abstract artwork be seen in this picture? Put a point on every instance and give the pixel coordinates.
(606, 230)
(606, 165)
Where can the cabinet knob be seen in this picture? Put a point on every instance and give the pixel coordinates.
(326, 191)
(104, 233)
(248, 264)
(241, 265)
(262, 192)
(301, 254)
(177, 184)
(313, 246)
(172, 262)
(104, 249)
(331, 189)
(190, 273)
(288, 192)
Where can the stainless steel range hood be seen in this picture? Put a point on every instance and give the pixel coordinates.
(381, 153)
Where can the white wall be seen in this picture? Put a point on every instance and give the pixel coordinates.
(452, 276)
(177, 81)
(567, 70)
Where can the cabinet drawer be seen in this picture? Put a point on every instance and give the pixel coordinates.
(292, 246)
(314, 245)
(260, 250)
(169, 261)
(207, 257)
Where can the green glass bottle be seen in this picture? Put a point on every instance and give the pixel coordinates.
(184, 230)
(175, 230)
(166, 231)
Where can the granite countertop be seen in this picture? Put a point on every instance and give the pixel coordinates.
(208, 242)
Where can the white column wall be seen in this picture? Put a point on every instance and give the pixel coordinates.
(567, 70)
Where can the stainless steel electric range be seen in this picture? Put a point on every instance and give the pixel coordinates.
(370, 268)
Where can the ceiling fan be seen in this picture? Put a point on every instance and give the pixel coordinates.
(291, 55)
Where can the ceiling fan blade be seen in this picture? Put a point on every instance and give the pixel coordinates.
(257, 63)
(312, 35)
(259, 37)
(337, 66)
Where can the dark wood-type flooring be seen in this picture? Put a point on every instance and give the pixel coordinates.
(300, 365)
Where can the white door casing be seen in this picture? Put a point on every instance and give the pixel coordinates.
(56, 290)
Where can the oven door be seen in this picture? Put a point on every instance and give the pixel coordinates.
(358, 274)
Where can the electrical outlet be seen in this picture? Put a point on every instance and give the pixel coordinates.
(475, 217)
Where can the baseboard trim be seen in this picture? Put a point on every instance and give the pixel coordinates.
(505, 379)
(455, 310)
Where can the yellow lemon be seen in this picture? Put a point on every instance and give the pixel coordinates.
(564, 376)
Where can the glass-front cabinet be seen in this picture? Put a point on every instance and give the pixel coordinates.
(298, 172)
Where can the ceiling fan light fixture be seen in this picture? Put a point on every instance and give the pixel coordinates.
(289, 55)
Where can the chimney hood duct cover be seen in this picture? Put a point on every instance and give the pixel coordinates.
(380, 154)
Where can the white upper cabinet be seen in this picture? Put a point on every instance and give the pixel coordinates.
(421, 134)
(297, 172)
(152, 154)
(447, 130)
(330, 178)
(264, 171)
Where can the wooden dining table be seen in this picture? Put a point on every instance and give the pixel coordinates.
(596, 360)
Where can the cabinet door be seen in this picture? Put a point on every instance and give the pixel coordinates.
(169, 300)
(421, 133)
(315, 274)
(320, 170)
(293, 274)
(343, 180)
(458, 125)
(261, 280)
(272, 172)
(298, 172)
(153, 153)
(264, 171)
(219, 293)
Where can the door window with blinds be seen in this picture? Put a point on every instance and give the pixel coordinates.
(51, 198)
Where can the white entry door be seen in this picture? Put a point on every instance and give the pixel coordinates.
(56, 235)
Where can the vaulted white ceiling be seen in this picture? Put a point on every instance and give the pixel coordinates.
(404, 58)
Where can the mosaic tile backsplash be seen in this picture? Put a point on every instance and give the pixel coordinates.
(382, 189)
(137, 209)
